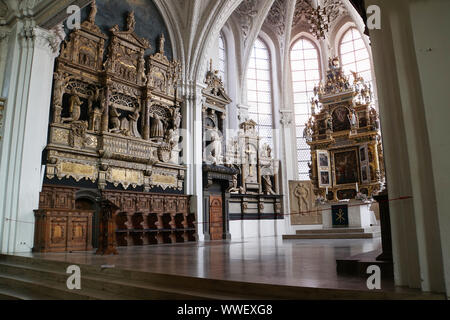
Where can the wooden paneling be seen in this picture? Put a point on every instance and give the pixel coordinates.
(216, 217)
(145, 218)
(59, 225)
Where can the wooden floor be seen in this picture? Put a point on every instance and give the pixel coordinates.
(270, 261)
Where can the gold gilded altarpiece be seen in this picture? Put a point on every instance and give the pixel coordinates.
(115, 119)
(344, 135)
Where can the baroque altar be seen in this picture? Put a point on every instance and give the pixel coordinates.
(115, 127)
(347, 159)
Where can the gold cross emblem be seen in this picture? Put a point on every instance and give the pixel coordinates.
(340, 216)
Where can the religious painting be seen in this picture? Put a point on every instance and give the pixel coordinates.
(323, 165)
(323, 160)
(346, 167)
(341, 120)
(324, 178)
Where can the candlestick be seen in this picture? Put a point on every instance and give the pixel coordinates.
(357, 188)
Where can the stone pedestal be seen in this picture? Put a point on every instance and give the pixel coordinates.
(359, 214)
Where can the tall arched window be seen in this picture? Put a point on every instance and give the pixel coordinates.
(259, 91)
(305, 76)
(222, 60)
(354, 54)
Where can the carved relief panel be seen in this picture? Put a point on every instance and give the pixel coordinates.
(303, 210)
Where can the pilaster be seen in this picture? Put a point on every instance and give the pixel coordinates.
(193, 150)
(288, 146)
(27, 87)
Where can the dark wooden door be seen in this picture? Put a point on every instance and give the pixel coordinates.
(215, 217)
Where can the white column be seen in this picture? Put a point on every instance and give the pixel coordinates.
(417, 248)
(288, 149)
(194, 151)
(4, 38)
(27, 87)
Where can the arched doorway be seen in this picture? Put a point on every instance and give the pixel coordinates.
(88, 200)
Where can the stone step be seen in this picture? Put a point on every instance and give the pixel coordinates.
(110, 285)
(8, 293)
(360, 235)
(162, 286)
(335, 230)
(35, 282)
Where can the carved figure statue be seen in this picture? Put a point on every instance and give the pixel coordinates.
(234, 187)
(177, 119)
(329, 123)
(373, 116)
(352, 119)
(266, 151)
(307, 134)
(157, 127)
(133, 120)
(125, 127)
(141, 71)
(162, 41)
(131, 22)
(60, 84)
(268, 187)
(74, 108)
(301, 193)
(216, 147)
(95, 112)
(114, 119)
(93, 13)
(170, 138)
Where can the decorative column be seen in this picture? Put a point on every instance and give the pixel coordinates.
(287, 170)
(4, 38)
(27, 86)
(193, 151)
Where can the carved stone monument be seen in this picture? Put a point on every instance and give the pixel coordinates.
(115, 122)
(116, 128)
(303, 209)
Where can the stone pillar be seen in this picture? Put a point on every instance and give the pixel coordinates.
(193, 150)
(27, 87)
(4, 38)
(288, 156)
(419, 227)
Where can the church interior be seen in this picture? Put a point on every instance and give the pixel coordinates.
(224, 149)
